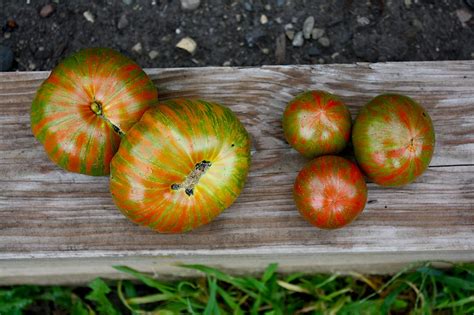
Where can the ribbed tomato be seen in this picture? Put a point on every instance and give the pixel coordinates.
(317, 123)
(330, 192)
(181, 165)
(89, 100)
(393, 139)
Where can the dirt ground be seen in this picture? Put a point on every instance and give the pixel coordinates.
(235, 33)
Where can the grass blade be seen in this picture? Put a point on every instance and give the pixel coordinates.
(146, 279)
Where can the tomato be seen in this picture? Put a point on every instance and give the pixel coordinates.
(393, 140)
(89, 100)
(317, 123)
(181, 165)
(330, 192)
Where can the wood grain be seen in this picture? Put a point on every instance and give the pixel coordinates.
(47, 214)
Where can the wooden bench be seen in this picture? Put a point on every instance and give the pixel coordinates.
(59, 227)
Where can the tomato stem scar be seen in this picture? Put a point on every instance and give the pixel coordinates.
(96, 107)
(193, 178)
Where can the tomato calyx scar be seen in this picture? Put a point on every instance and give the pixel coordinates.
(96, 108)
(193, 178)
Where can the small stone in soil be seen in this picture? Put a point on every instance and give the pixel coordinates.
(362, 20)
(122, 22)
(227, 63)
(464, 16)
(290, 34)
(263, 19)
(279, 20)
(6, 58)
(289, 27)
(190, 5)
(248, 6)
(324, 41)
(335, 55)
(265, 51)
(308, 27)
(408, 3)
(268, 7)
(317, 33)
(88, 16)
(280, 2)
(188, 44)
(46, 10)
(127, 2)
(137, 48)
(153, 54)
(298, 41)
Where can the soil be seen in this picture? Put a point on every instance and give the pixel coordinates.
(231, 32)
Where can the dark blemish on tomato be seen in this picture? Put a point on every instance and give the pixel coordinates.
(385, 207)
(193, 178)
(202, 166)
(372, 201)
(233, 145)
(424, 115)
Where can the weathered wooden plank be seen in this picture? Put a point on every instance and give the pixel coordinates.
(81, 270)
(46, 213)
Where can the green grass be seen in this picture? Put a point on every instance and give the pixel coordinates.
(419, 289)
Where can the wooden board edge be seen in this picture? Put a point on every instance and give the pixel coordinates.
(67, 271)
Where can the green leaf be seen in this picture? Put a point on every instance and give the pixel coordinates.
(269, 272)
(129, 288)
(391, 298)
(149, 299)
(99, 295)
(241, 284)
(212, 308)
(146, 279)
(461, 302)
(15, 306)
(78, 308)
(233, 305)
(453, 282)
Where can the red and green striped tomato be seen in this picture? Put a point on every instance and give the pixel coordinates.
(317, 123)
(393, 139)
(89, 100)
(330, 192)
(180, 166)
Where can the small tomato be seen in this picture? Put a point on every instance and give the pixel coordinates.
(393, 139)
(317, 123)
(330, 192)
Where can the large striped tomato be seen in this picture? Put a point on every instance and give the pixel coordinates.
(393, 139)
(89, 100)
(330, 192)
(180, 166)
(317, 123)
